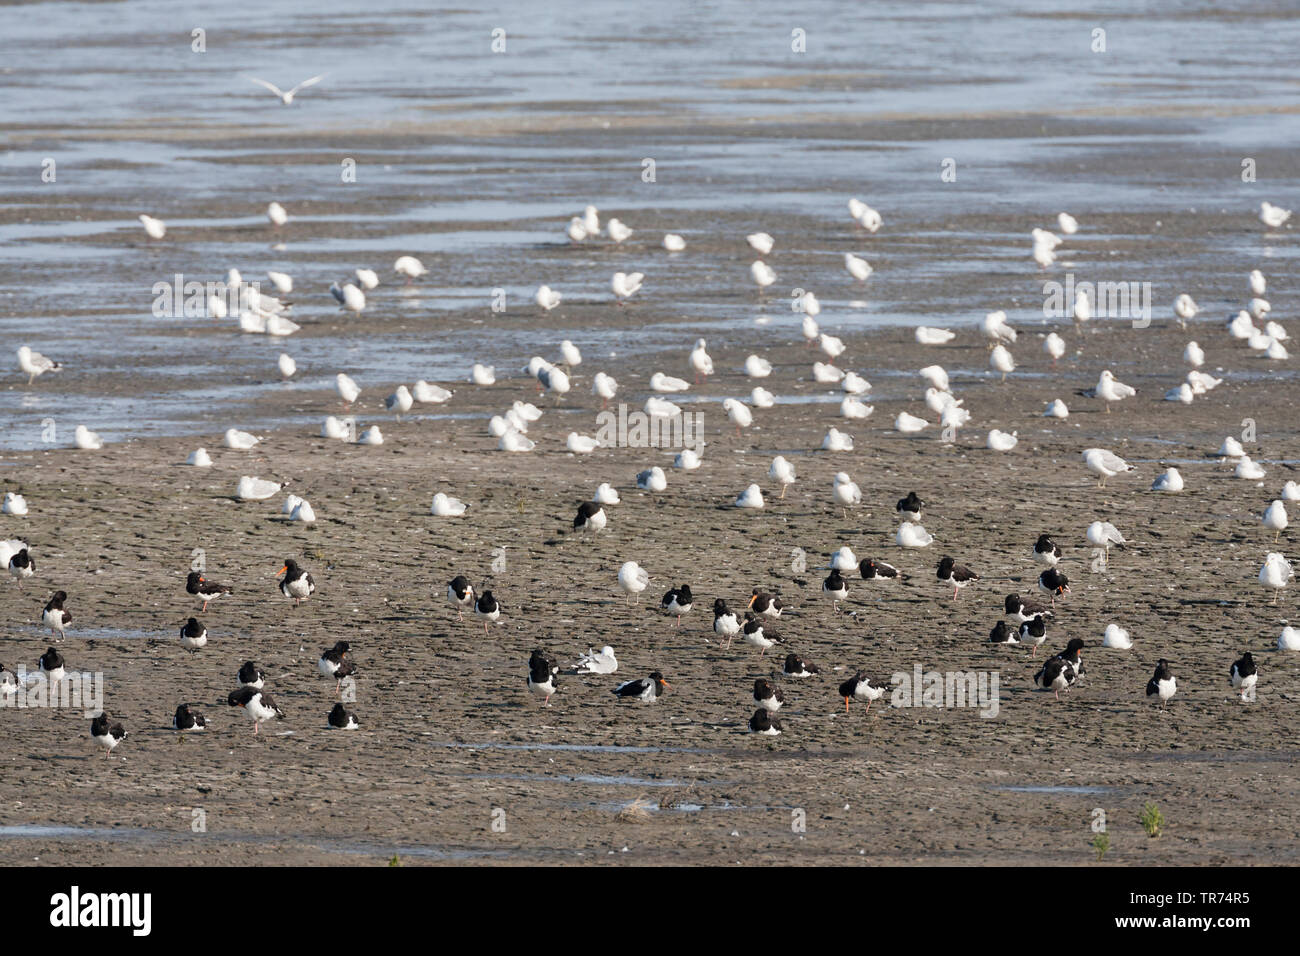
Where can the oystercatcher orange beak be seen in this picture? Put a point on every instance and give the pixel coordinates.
(283, 569)
(752, 600)
(666, 684)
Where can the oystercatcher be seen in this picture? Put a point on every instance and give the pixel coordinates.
(1033, 631)
(51, 665)
(257, 704)
(1003, 633)
(764, 723)
(205, 590)
(765, 604)
(1244, 674)
(767, 696)
(54, 616)
(678, 601)
(753, 634)
(341, 718)
(250, 675)
(1162, 684)
(835, 588)
(541, 676)
(1053, 582)
(871, 569)
(859, 685)
(185, 719)
(1046, 551)
(22, 564)
(643, 688)
(909, 508)
(333, 663)
(487, 608)
(460, 593)
(106, 735)
(796, 666)
(296, 583)
(725, 622)
(193, 635)
(591, 517)
(950, 572)
(1059, 672)
(1020, 610)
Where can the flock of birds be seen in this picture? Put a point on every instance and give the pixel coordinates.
(1029, 619)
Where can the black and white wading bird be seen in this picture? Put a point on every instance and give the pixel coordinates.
(105, 734)
(341, 718)
(55, 616)
(871, 569)
(725, 623)
(1060, 671)
(186, 720)
(1022, 609)
(1033, 631)
(767, 695)
(193, 635)
(460, 593)
(296, 583)
(257, 704)
(796, 666)
(861, 687)
(909, 508)
(835, 588)
(1053, 582)
(1046, 551)
(1243, 675)
(950, 572)
(334, 663)
(678, 601)
(250, 675)
(765, 604)
(763, 722)
(541, 676)
(1162, 684)
(752, 630)
(51, 665)
(487, 608)
(205, 590)
(1003, 633)
(643, 688)
(591, 517)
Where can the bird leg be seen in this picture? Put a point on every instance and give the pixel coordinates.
(846, 705)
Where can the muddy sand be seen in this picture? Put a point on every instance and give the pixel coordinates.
(455, 761)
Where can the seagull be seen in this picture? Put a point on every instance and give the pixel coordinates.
(660, 382)
(408, 266)
(85, 439)
(1171, 481)
(837, 440)
(858, 267)
(1248, 469)
(936, 376)
(652, 479)
(1103, 534)
(928, 336)
(570, 354)
(851, 407)
(605, 494)
(105, 735)
(1273, 216)
(1067, 223)
(643, 689)
(1185, 308)
(845, 492)
(1054, 346)
(400, 402)
(1002, 441)
(278, 217)
(701, 363)
(35, 364)
(257, 704)
(602, 662)
(369, 278)
(1104, 463)
(760, 242)
(738, 414)
(1116, 637)
(286, 365)
(1275, 518)
(757, 367)
(547, 297)
(580, 444)
(751, 497)
(541, 676)
(687, 459)
(427, 394)
(626, 284)
(482, 374)
(1275, 573)
(14, 504)
(1243, 674)
(1194, 355)
(996, 328)
(1289, 639)
(825, 372)
(633, 579)
(252, 488)
(832, 346)
(154, 228)
(1258, 284)
(1001, 361)
(617, 231)
(287, 98)
(1109, 389)
(1162, 684)
(674, 242)
(909, 424)
(782, 471)
(760, 397)
(762, 274)
(911, 535)
(860, 686)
